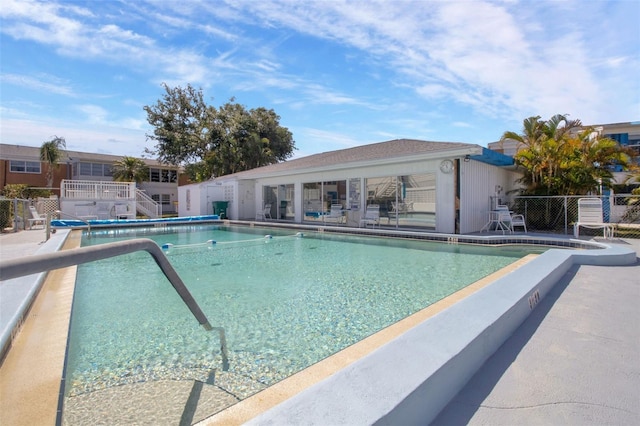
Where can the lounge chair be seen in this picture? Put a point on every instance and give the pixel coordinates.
(590, 216)
(336, 214)
(36, 218)
(371, 216)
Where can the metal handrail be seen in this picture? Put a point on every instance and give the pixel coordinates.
(61, 213)
(28, 265)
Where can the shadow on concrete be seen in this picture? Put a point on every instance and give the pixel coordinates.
(464, 405)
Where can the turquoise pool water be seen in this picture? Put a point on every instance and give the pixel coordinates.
(285, 302)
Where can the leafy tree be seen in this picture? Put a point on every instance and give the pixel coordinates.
(130, 169)
(50, 153)
(211, 141)
(21, 190)
(560, 157)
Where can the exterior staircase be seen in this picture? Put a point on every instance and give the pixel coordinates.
(146, 206)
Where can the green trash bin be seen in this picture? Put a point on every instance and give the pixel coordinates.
(220, 208)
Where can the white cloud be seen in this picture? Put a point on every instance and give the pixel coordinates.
(94, 114)
(40, 83)
(97, 138)
(322, 140)
(504, 60)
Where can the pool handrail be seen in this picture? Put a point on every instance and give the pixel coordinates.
(61, 213)
(28, 265)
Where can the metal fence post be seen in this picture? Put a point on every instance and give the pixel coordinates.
(566, 216)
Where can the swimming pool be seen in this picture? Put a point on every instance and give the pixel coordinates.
(285, 302)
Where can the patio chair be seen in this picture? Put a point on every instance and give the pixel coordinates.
(509, 221)
(265, 213)
(590, 216)
(336, 213)
(518, 220)
(397, 209)
(36, 218)
(371, 216)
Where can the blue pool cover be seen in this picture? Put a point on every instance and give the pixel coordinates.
(61, 223)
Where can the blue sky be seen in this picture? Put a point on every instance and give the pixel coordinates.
(339, 73)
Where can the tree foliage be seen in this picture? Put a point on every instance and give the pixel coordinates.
(21, 190)
(130, 169)
(210, 141)
(51, 152)
(560, 157)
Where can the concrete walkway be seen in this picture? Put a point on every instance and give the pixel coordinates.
(22, 243)
(16, 295)
(575, 360)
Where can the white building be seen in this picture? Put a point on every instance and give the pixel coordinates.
(442, 186)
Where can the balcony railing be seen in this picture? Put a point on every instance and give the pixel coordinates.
(97, 190)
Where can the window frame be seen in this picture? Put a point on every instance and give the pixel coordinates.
(25, 166)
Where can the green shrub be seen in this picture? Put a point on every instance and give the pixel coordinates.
(5, 213)
(20, 190)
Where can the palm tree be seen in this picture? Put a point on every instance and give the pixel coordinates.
(50, 153)
(130, 169)
(560, 160)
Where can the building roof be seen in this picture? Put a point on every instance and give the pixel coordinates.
(32, 153)
(382, 151)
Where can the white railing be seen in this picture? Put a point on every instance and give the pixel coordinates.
(97, 190)
(146, 205)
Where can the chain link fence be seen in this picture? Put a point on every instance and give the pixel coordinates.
(15, 214)
(558, 214)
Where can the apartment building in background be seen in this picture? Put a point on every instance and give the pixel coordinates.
(21, 164)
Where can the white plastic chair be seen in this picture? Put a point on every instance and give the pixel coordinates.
(371, 216)
(265, 213)
(509, 221)
(518, 220)
(336, 213)
(590, 216)
(36, 217)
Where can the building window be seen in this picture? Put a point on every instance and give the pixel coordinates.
(169, 176)
(85, 169)
(25, 166)
(163, 175)
(95, 169)
(154, 175)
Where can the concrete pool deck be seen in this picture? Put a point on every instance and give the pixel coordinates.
(574, 360)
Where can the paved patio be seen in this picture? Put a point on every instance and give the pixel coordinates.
(575, 360)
